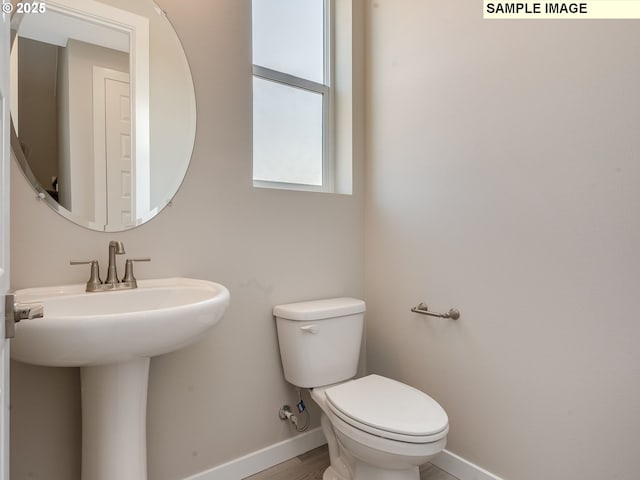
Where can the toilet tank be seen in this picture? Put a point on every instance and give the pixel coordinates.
(320, 340)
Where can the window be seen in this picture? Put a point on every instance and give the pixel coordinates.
(292, 94)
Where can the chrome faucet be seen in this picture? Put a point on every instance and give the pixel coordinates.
(95, 284)
(115, 248)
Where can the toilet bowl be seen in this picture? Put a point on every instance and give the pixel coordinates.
(376, 428)
(387, 428)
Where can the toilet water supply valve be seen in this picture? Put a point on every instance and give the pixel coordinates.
(285, 413)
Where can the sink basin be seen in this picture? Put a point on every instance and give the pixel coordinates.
(111, 336)
(84, 329)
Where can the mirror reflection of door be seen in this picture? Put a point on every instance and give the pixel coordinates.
(162, 112)
(114, 183)
(57, 102)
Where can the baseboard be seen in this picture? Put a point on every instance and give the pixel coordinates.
(461, 468)
(262, 459)
(280, 452)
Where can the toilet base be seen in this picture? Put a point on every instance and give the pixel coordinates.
(331, 474)
(364, 471)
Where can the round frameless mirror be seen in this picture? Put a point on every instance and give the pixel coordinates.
(103, 109)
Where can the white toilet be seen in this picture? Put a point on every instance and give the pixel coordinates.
(376, 428)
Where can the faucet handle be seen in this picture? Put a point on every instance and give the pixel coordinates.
(94, 282)
(129, 279)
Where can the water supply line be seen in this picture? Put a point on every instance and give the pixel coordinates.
(285, 413)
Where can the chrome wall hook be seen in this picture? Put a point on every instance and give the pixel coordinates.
(453, 313)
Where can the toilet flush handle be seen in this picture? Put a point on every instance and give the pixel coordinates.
(309, 329)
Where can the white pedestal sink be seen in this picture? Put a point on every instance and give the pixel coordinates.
(112, 336)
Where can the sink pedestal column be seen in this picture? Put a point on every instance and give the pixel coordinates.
(114, 414)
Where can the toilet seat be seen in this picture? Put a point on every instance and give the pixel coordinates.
(388, 409)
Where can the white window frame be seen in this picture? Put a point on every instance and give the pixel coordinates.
(327, 108)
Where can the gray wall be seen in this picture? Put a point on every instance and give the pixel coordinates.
(216, 400)
(38, 119)
(502, 178)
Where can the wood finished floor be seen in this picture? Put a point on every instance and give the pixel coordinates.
(310, 465)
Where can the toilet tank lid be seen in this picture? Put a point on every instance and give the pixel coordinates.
(319, 309)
